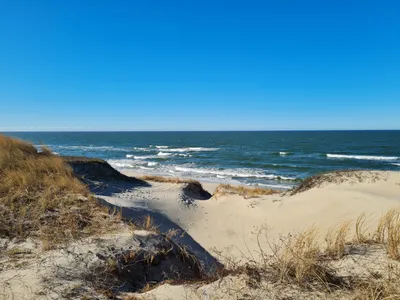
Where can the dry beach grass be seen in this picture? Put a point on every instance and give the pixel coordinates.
(308, 265)
(40, 196)
(246, 192)
(164, 179)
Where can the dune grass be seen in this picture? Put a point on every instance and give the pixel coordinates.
(298, 257)
(335, 177)
(387, 288)
(41, 197)
(307, 259)
(246, 192)
(336, 239)
(388, 232)
(164, 179)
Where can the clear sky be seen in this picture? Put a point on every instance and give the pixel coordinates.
(199, 65)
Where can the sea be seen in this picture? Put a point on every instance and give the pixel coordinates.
(274, 159)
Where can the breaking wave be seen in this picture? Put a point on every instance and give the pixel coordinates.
(164, 154)
(126, 163)
(233, 173)
(192, 149)
(87, 148)
(362, 157)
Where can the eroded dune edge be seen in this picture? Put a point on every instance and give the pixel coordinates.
(75, 228)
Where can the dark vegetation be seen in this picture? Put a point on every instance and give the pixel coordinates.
(94, 169)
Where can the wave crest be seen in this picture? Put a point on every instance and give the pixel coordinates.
(164, 154)
(192, 149)
(232, 173)
(362, 157)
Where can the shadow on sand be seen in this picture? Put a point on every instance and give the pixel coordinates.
(104, 181)
(164, 225)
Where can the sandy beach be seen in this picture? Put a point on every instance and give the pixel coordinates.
(233, 228)
(222, 229)
(230, 223)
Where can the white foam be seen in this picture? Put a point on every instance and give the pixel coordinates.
(162, 147)
(125, 163)
(362, 157)
(164, 154)
(145, 168)
(396, 165)
(142, 149)
(91, 148)
(152, 164)
(192, 149)
(232, 173)
(275, 186)
(121, 165)
(144, 157)
(283, 153)
(138, 157)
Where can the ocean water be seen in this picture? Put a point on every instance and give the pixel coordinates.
(273, 159)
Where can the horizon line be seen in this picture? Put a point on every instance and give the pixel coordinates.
(234, 130)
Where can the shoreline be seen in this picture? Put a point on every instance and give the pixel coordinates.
(208, 185)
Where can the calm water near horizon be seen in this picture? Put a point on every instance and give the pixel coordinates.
(267, 158)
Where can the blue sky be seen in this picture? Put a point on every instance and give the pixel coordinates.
(199, 65)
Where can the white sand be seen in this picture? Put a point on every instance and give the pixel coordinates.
(232, 222)
(228, 226)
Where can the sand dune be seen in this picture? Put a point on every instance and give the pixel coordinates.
(230, 223)
(230, 228)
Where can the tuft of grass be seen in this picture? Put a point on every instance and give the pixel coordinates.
(298, 258)
(41, 197)
(383, 224)
(148, 224)
(167, 179)
(387, 288)
(336, 239)
(361, 236)
(388, 233)
(246, 192)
